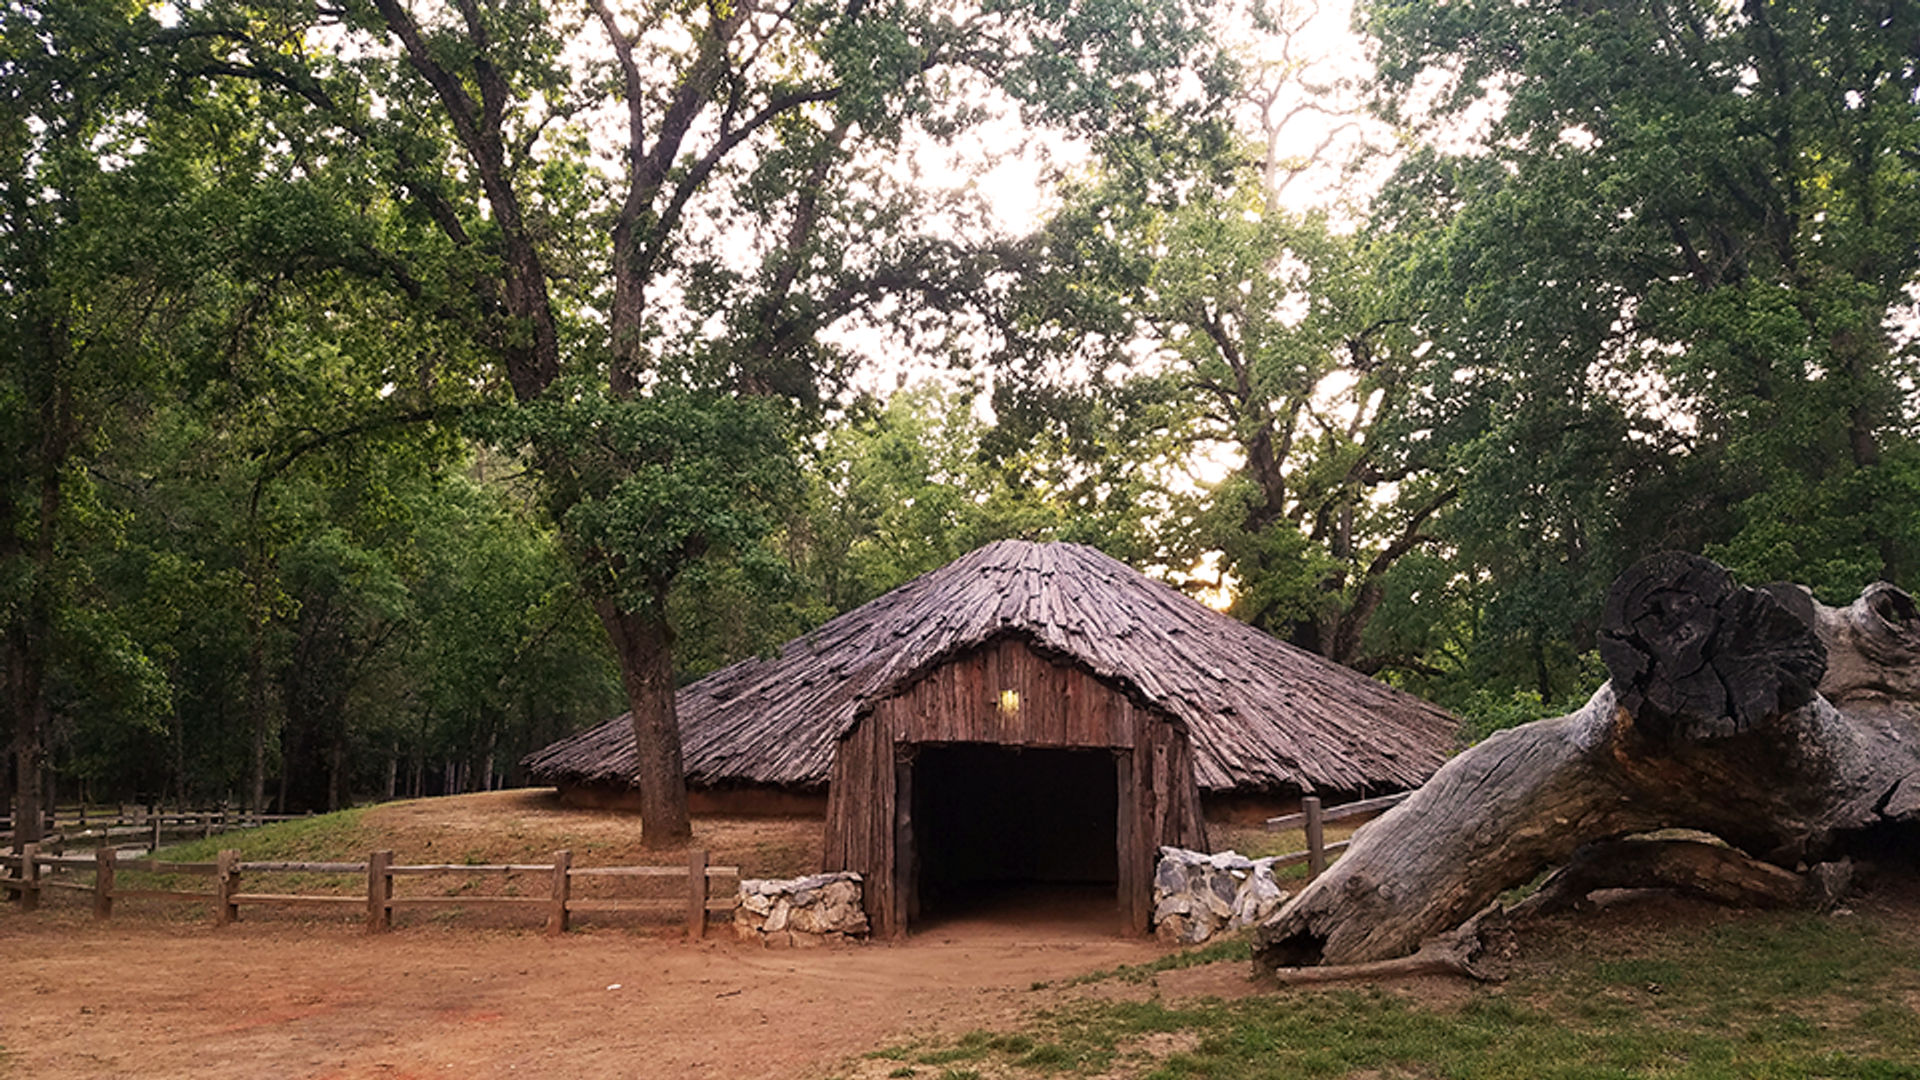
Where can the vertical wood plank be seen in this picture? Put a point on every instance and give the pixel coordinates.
(1131, 883)
(561, 893)
(379, 892)
(226, 879)
(1162, 785)
(906, 855)
(29, 877)
(1191, 817)
(885, 874)
(697, 893)
(860, 816)
(103, 859)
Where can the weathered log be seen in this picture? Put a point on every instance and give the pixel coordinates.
(1690, 867)
(1694, 656)
(1477, 950)
(1710, 721)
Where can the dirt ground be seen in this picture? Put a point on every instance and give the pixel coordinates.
(152, 1000)
(161, 993)
(158, 992)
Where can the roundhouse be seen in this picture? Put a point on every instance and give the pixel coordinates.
(1029, 712)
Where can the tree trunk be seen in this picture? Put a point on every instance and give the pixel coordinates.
(6, 780)
(29, 636)
(644, 643)
(25, 686)
(336, 772)
(1710, 721)
(258, 720)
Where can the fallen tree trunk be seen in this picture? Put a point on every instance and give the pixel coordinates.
(1757, 715)
(1693, 867)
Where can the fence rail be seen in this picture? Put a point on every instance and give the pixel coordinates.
(1312, 820)
(27, 880)
(60, 829)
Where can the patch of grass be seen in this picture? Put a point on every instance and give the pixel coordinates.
(336, 837)
(322, 838)
(1226, 949)
(1768, 997)
(972, 1046)
(1048, 1057)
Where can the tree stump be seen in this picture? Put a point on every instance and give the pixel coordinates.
(1779, 725)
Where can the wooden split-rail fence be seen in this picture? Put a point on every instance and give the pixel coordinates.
(234, 881)
(85, 827)
(1313, 819)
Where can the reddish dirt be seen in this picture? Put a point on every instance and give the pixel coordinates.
(157, 992)
(134, 998)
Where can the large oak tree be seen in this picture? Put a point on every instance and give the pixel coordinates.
(1672, 256)
(661, 209)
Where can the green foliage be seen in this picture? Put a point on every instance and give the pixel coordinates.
(646, 488)
(1258, 335)
(1485, 711)
(1662, 289)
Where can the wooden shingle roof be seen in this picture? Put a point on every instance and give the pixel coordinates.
(1261, 714)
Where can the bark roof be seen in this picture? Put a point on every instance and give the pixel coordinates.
(1261, 714)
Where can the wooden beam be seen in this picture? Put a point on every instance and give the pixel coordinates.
(103, 881)
(227, 879)
(1316, 837)
(379, 892)
(29, 877)
(1358, 808)
(557, 902)
(697, 893)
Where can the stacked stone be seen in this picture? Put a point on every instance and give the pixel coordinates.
(1196, 895)
(817, 910)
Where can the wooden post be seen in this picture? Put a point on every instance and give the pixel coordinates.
(226, 878)
(1316, 837)
(697, 893)
(379, 892)
(557, 910)
(155, 846)
(29, 877)
(103, 859)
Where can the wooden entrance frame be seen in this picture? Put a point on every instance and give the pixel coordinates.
(967, 699)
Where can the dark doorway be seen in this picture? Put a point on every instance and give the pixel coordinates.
(1000, 827)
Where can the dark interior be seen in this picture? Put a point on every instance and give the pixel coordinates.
(989, 820)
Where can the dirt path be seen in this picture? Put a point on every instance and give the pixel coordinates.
(154, 1000)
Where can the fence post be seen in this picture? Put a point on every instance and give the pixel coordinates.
(103, 860)
(557, 910)
(29, 877)
(697, 893)
(1316, 838)
(226, 877)
(379, 892)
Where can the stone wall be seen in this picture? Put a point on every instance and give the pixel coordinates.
(1196, 895)
(821, 909)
